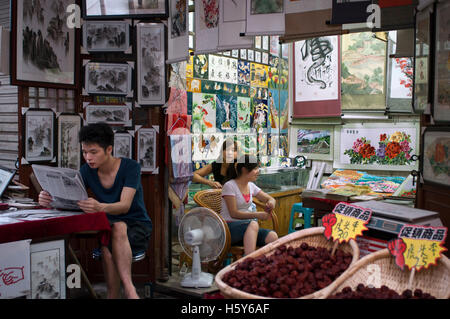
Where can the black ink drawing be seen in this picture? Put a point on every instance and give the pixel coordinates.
(106, 36)
(105, 78)
(147, 149)
(320, 50)
(111, 114)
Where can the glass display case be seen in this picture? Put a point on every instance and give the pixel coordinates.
(275, 179)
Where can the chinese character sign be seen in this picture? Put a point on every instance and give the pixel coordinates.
(418, 246)
(346, 222)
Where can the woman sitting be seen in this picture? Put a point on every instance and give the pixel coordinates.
(237, 194)
(218, 167)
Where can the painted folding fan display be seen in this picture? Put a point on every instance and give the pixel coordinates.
(422, 59)
(316, 72)
(123, 144)
(435, 157)
(399, 79)
(108, 78)
(377, 146)
(43, 45)
(312, 141)
(151, 75)
(116, 115)
(146, 149)
(441, 103)
(108, 36)
(39, 135)
(108, 9)
(69, 151)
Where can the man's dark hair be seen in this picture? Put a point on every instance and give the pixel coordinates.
(97, 133)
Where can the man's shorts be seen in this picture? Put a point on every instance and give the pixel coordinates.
(138, 233)
(238, 228)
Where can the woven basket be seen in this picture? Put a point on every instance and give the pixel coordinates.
(435, 280)
(312, 236)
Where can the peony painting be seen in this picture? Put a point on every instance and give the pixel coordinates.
(377, 146)
(436, 156)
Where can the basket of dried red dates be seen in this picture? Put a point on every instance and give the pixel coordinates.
(298, 265)
(376, 276)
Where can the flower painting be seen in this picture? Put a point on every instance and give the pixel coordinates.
(392, 149)
(210, 13)
(203, 113)
(436, 156)
(368, 147)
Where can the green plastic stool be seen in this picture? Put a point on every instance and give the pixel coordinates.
(300, 216)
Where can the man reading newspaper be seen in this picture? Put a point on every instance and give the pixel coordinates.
(116, 184)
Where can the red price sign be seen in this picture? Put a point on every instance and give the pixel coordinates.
(418, 246)
(346, 222)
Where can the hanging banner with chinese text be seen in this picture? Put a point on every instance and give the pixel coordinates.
(418, 246)
(346, 222)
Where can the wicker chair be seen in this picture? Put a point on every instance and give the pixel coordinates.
(212, 198)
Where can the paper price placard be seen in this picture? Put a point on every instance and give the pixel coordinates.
(346, 222)
(418, 246)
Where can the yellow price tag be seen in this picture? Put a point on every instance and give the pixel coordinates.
(346, 222)
(418, 246)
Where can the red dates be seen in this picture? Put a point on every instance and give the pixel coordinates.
(289, 272)
(384, 292)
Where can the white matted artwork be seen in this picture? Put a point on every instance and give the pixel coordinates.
(108, 78)
(377, 146)
(222, 69)
(123, 145)
(206, 26)
(206, 146)
(45, 43)
(317, 71)
(15, 269)
(232, 20)
(146, 149)
(178, 39)
(110, 36)
(151, 88)
(39, 135)
(110, 114)
(69, 152)
(48, 270)
(264, 17)
(312, 141)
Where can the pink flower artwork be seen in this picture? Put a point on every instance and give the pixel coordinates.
(211, 12)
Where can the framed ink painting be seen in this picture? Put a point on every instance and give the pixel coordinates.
(69, 151)
(151, 75)
(123, 144)
(146, 149)
(106, 36)
(109, 9)
(43, 45)
(108, 78)
(39, 135)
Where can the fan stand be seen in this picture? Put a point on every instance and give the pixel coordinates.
(197, 278)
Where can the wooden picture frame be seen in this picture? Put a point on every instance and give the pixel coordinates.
(151, 74)
(123, 144)
(69, 150)
(106, 36)
(108, 78)
(146, 149)
(43, 45)
(113, 9)
(441, 103)
(39, 135)
(435, 156)
(114, 115)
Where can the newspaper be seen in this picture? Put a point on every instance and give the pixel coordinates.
(65, 185)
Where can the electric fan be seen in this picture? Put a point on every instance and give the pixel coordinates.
(202, 236)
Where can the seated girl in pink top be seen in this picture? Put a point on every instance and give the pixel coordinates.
(237, 195)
